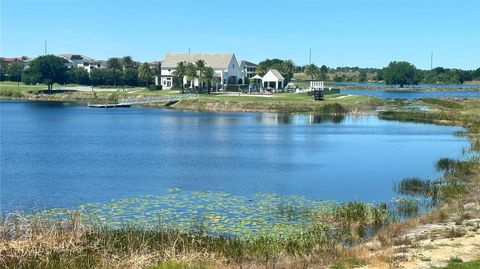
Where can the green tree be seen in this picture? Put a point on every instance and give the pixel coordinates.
(288, 68)
(191, 73)
(362, 77)
(130, 76)
(476, 74)
(158, 73)
(145, 74)
(115, 66)
(312, 71)
(323, 72)
(261, 70)
(128, 62)
(180, 72)
(47, 69)
(200, 66)
(400, 73)
(101, 77)
(209, 76)
(78, 75)
(14, 71)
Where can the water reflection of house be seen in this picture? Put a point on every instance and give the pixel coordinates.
(225, 65)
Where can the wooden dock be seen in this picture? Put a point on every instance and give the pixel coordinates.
(108, 105)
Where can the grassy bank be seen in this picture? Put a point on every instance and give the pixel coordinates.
(79, 241)
(295, 103)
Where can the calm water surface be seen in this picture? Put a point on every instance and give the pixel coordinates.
(418, 86)
(410, 95)
(61, 155)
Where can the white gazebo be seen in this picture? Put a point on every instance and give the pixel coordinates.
(257, 83)
(273, 79)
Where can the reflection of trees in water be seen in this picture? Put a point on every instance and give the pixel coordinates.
(286, 118)
(316, 119)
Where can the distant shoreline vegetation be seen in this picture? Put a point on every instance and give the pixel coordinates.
(120, 72)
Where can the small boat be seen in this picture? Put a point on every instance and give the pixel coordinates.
(107, 105)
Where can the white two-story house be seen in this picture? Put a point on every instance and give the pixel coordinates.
(82, 61)
(249, 70)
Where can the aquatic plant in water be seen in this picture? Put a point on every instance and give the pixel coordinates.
(215, 213)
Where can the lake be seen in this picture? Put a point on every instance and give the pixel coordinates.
(417, 86)
(56, 154)
(410, 95)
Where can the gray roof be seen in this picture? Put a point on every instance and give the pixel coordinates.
(155, 63)
(247, 63)
(217, 60)
(277, 74)
(76, 57)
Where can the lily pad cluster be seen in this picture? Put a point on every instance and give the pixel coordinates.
(214, 213)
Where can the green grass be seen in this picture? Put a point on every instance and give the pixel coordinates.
(284, 102)
(349, 263)
(180, 265)
(455, 263)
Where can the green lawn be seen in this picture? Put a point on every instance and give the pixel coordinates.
(462, 265)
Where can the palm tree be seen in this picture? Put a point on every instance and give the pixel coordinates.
(158, 72)
(180, 72)
(115, 65)
(261, 70)
(128, 62)
(209, 76)
(145, 73)
(312, 71)
(191, 72)
(200, 65)
(288, 67)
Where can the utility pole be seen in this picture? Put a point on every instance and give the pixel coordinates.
(45, 47)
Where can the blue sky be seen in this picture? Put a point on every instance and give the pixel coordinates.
(340, 33)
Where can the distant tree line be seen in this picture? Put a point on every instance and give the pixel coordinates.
(400, 73)
(125, 71)
(286, 67)
(51, 69)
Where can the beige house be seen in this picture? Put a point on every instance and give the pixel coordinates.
(225, 65)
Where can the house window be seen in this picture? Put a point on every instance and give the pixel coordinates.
(169, 78)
